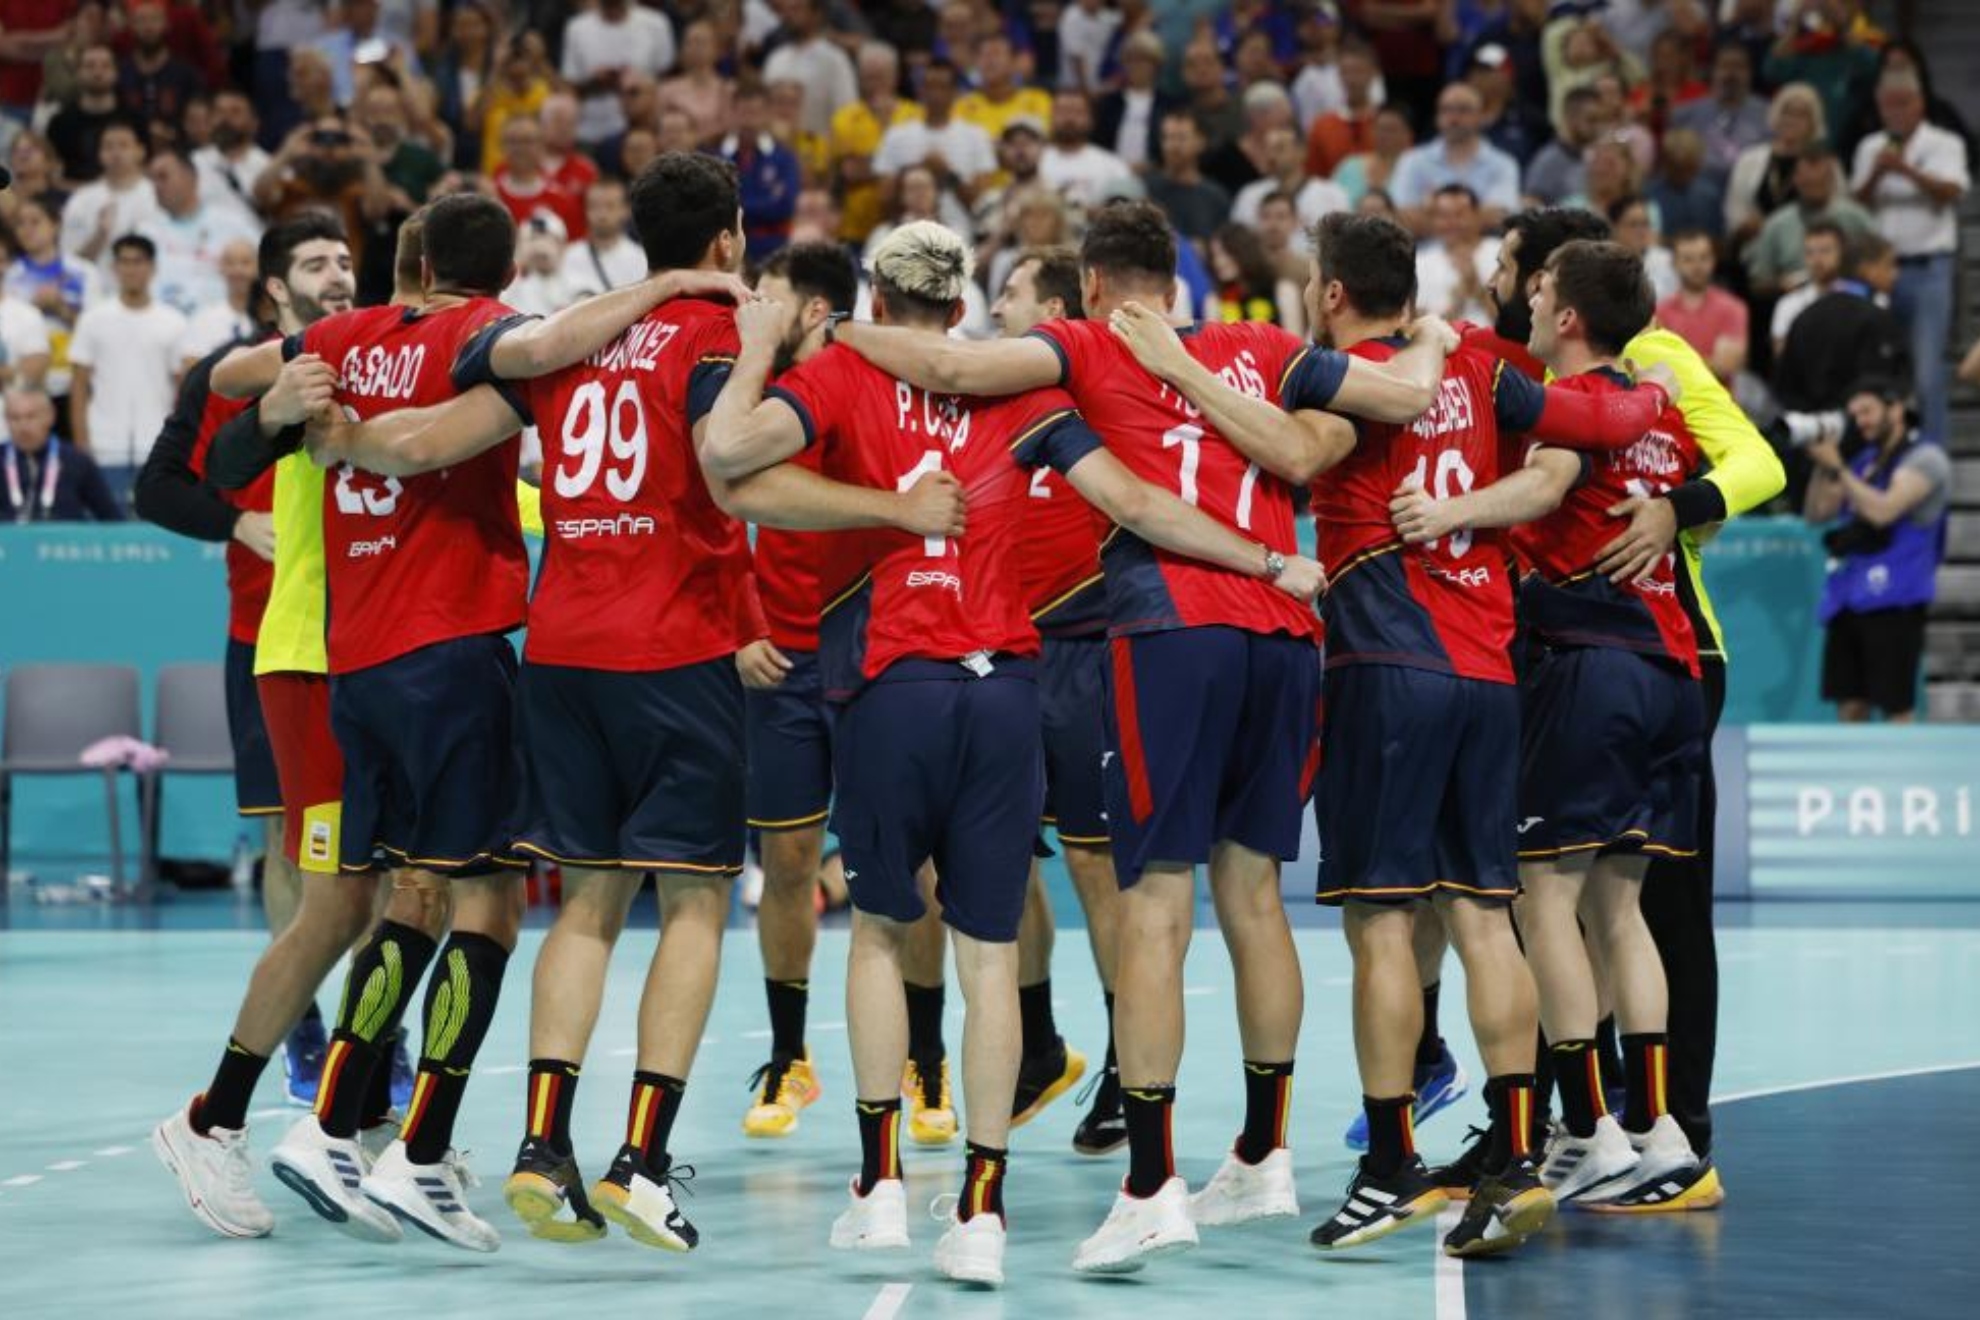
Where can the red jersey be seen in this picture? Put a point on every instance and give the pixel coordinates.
(410, 561)
(1165, 440)
(891, 596)
(545, 197)
(787, 567)
(1059, 559)
(642, 571)
(249, 576)
(1566, 601)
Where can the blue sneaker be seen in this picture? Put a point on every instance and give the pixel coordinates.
(1438, 1086)
(403, 1076)
(302, 1061)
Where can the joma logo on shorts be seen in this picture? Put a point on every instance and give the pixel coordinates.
(369, 549)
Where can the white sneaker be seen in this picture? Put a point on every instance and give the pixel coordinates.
(327, 1172)
(1138, 1229)
(874, 1222)
(1240, 1192)
(1661, 1152)
(633, 1198)
(215, 1173)
(378, 1136)
(1588, 1169)
(431, 1197)
(972, 1251)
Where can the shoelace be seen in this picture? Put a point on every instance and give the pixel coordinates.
(1093, 1084)
(236, 1164)
(455, 1162)
(678, 1176)
(768, 1081)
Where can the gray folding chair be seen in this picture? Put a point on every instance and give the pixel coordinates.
(190, 724)
(53, 713)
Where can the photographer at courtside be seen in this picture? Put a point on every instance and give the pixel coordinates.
(1887, 491)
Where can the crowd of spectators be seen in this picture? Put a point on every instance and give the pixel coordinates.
(1767, 157)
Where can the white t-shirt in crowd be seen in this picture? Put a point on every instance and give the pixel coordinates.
(1906, 215)
(189, 255)
(1137, 119)
(131, 210)
(542, 295)
(643, 40)
(1437, 282)
(1085, 176)
(228, 185)
(133, 356)
(965, 146)
(210, 327)
(23, 334)
(826, 72)
(80, 285)
(1315, 198)
(1083, 37)
(595, 269)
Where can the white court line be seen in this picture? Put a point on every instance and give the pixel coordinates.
(1827, 1082)
(24, 1180)
(890, 1301)
(111, 1152)
(1194, 991)
(503, 1070)
(1449, 1272)
(66, 1166)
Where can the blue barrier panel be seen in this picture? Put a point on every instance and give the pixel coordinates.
(1765, 576)
(124, 594)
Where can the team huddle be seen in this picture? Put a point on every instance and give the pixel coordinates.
(1050, 579)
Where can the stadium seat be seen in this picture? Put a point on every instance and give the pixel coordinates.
(190, 723)
(54, 711)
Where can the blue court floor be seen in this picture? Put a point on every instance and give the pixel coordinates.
(1850, 1068)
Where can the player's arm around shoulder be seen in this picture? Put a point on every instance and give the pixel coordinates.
(409, 441)
(744, 432)
(992, 367)
(540, 347)
(248, 371)
(1401, 389)
(1532, 492)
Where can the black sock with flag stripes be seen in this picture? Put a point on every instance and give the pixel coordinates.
(384, 974)
(879, 1141)
(656, 1102)
(460, 1005)
(1267, 1102)
(225, 1101)
(1151, 1154)
(547, 1103)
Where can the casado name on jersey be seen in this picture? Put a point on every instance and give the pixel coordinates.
(380, 373)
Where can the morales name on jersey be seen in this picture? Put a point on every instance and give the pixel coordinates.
(1164, 439)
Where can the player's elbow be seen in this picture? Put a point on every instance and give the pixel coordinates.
(723, 459)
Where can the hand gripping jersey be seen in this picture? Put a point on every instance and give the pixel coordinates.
(1566, 601)
(642, 571)
(891, 596)
(411, 561)
(1166, 441)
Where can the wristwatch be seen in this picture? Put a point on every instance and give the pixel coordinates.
(1275, 564)
(832, 325)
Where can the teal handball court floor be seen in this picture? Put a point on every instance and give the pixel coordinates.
(1849, 1140)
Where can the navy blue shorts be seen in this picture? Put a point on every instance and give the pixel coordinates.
(430, 773)
(1072, 703)
(933, 763)
(1419, 788)
(789, 736)
(1212, 735)
(257, 788)
(1611, 753)
(636, 771)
